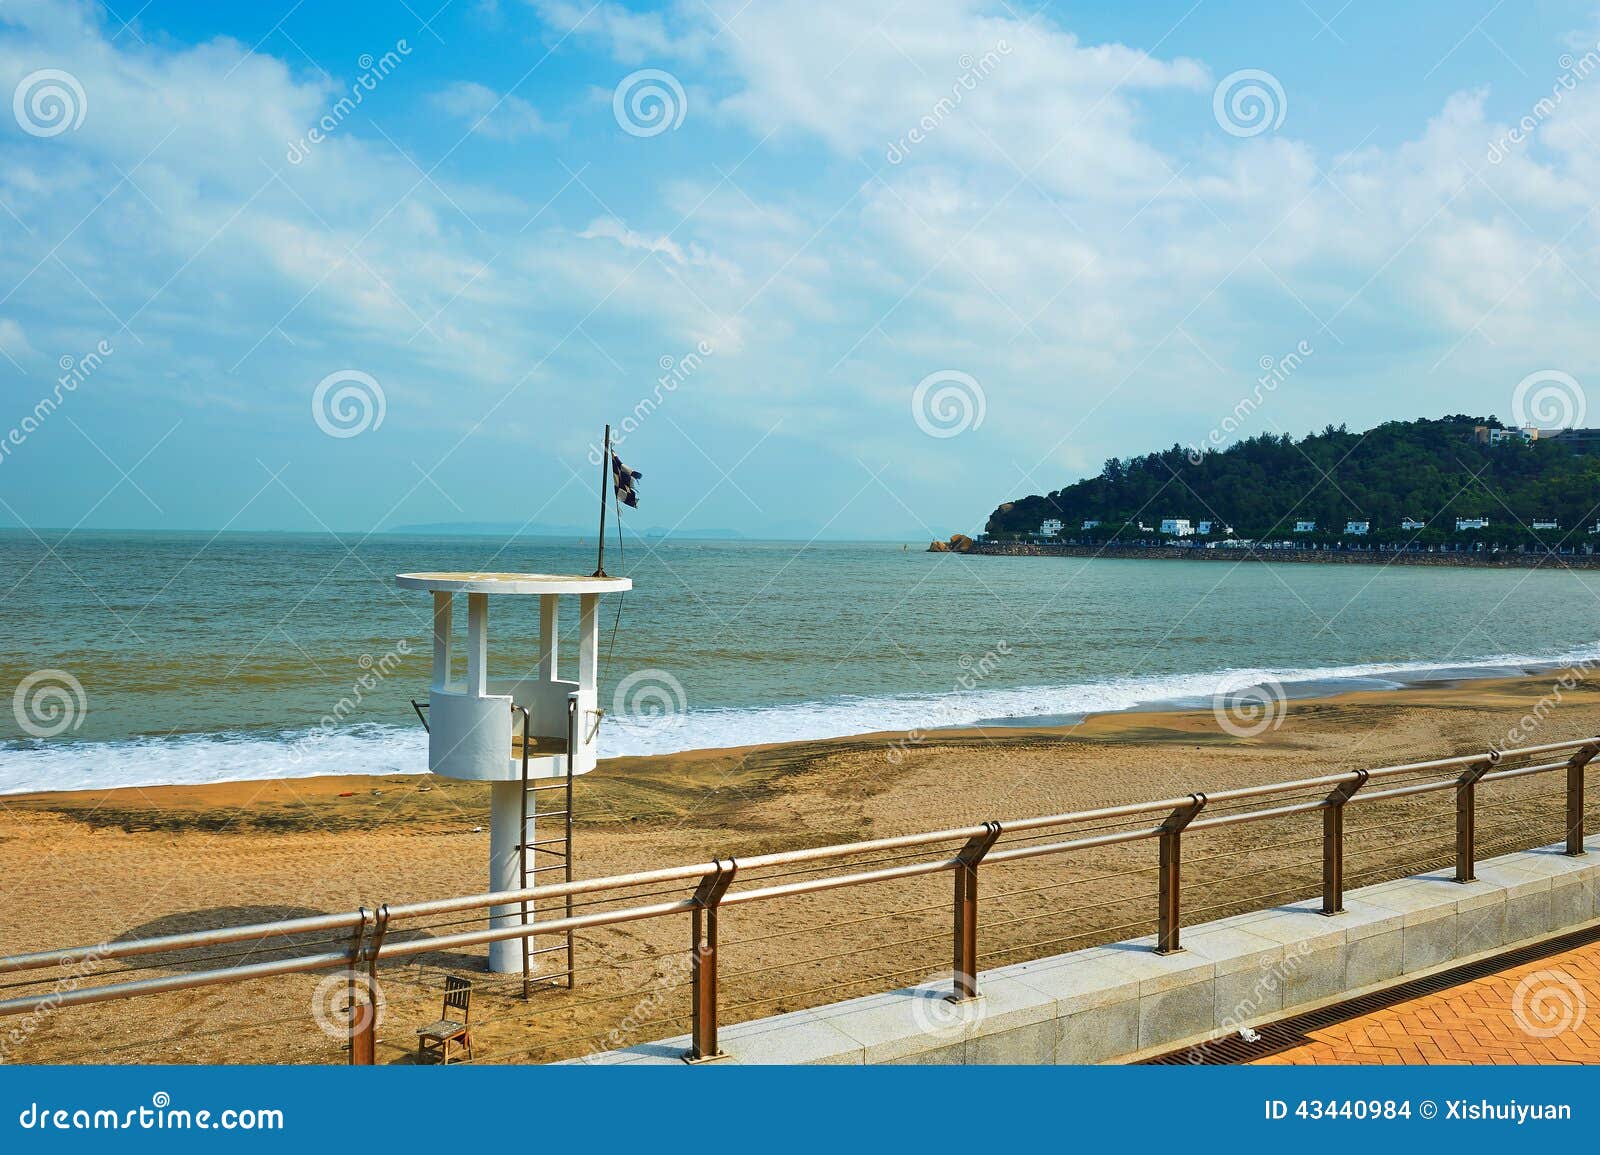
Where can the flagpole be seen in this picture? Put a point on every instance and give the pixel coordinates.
(605, 476)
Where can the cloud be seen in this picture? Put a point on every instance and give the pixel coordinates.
(1024, 96)
(1021, 213)
(1074, 230)
(612, 229)
(14, 347)
(1030, 96)
(490, 113)
(633, 37)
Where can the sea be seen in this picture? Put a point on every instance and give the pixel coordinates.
(135, 659)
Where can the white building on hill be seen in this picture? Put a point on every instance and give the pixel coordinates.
(1526, 433)
(1176, 526)
(1305, 527)
(1050, 527)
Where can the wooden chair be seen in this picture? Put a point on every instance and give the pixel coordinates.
(436, 1037)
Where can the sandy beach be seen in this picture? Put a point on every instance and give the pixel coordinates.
(79, 868)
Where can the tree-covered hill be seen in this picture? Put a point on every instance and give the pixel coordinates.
(1432, 470)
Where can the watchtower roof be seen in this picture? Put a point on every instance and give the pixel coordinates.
(513, 583)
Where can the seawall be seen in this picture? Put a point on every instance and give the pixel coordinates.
(1124, 1002)
(1485, 560)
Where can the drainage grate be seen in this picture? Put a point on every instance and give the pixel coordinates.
(1295, 1030)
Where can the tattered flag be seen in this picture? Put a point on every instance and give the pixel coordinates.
(622, 478)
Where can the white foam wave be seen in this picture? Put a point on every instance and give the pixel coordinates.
(840, 717)
(380, 749)
(199, 758)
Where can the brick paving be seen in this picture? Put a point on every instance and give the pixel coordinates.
(1546, 1011)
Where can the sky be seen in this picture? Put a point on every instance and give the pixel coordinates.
(833, 268)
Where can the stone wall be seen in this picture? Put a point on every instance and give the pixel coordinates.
(1485, 560)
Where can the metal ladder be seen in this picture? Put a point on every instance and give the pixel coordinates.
(559, 850)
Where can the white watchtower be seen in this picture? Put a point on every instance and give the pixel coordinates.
(510, 731)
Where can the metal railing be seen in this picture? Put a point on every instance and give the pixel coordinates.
(708, 887)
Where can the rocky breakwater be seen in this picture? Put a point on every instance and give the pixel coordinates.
(1487, 559)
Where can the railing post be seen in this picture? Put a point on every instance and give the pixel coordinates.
(1333, 844)
(1169, 910)
(966, 912)
(703, 960)
(1575, 768)
(1467, 816)
(363, 1037)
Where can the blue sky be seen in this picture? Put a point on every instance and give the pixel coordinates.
(875, 329)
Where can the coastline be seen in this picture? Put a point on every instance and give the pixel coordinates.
(140, 862)
(371, 752)
(1367, 556)
(637, 788)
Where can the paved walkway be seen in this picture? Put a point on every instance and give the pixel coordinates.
(1546, 1011)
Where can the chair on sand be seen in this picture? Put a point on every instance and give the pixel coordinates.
(436, 1037)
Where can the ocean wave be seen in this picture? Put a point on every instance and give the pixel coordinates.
(372, 749)
(194, 759)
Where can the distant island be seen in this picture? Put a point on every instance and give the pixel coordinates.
(514, 529)
(1455, 485)
(778, 531)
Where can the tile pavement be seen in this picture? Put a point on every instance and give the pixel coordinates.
(1546, 1011)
